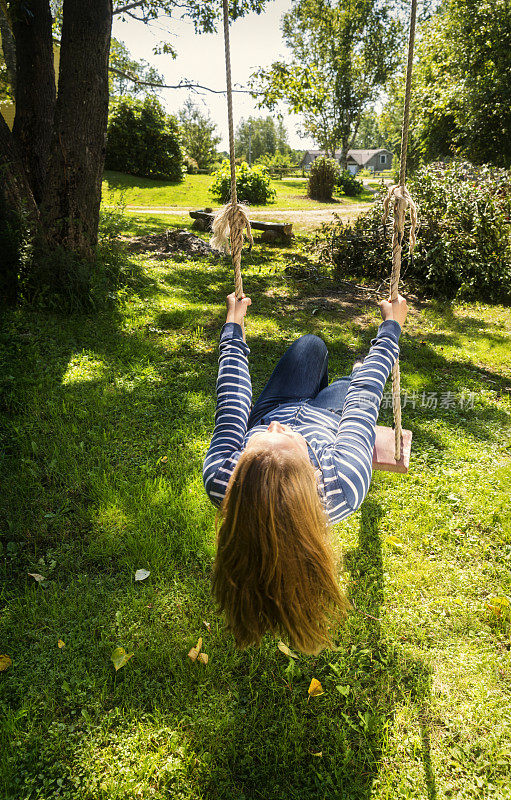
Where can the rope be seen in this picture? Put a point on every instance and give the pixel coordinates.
(399, 196)
(231, 220)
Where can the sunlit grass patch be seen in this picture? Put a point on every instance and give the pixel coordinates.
(107, 420)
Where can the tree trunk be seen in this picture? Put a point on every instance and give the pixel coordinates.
(15, 184)
(9, 50)
(35, 89)
(343, 158)
(17, 207)
(70, 208)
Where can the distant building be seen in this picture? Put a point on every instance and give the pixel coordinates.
(373, 160)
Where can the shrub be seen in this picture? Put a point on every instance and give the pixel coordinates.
(253, 184)
(143, 140)
(278, 165)
(323, 176)
(191, 165)
(464, 240)
(348, 184)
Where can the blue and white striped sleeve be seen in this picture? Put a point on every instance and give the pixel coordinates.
(347, 464)
(234, 397)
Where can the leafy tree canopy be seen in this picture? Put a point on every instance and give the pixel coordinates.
(205, 14)
(260, 136)
(461, 102)
(343, 53)
(126, 74)
(199, 134)
(143, 140)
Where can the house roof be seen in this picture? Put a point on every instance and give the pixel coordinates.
(360, 157)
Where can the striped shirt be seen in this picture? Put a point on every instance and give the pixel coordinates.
(340, 446)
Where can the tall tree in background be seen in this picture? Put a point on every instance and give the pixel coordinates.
(343, 53)
(261, 136)
(52, 162)
(461, 100)
(199, 135)
(370, 134)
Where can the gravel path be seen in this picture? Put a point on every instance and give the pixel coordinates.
(304, 218)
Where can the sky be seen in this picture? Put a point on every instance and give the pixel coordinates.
(256, 41)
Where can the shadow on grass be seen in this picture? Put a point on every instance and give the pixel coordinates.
(275, 743)
(265, 741)
(399, 676)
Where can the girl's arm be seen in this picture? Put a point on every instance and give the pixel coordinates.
(351, 455)
(347, 465)
(234, 397)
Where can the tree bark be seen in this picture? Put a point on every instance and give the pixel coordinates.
(9, 50)
(35, 89)
(70, 208)
(14, 181)
(17, 206)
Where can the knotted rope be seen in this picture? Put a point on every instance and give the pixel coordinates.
(399, 196)
(231, 220)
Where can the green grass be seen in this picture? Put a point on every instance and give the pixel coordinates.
(106, 422)
(193, 192)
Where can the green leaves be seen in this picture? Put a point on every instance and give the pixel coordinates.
(342, 55)
(120, 657)
(253, 184)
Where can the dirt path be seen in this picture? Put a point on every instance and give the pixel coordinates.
(302, 218)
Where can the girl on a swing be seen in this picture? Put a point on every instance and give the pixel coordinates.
(281, 471)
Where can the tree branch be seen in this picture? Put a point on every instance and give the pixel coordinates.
(138, 19)
(180, 85)
(128, 7)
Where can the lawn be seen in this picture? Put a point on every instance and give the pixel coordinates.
(193, 192)
(107, 419)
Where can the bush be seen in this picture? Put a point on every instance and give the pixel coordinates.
(191, 165)
(323, 176)
(464, 240)
(253, 184)
(278, 165)
(347, 183)
(143, 140)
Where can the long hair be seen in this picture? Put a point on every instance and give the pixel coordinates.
(275, 569)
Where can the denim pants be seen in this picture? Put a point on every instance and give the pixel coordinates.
(302, 374)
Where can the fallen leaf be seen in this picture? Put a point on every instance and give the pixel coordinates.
(395, 543)
(315, 688)
(37, 577)
(194, 652)
(120, 657)
(141, 574)
(5, 663)
(164, 459)
(318, 755)
(285, 649)
(203, 658)
(497, 605)
(207, 625)
(61, 644)
(344, 690)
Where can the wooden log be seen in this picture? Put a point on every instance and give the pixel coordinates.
(285, 229)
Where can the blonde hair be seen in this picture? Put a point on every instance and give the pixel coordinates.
(275, 569)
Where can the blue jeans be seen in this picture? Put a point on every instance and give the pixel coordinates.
(302, 374)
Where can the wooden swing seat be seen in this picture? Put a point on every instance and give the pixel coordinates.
(383, 453)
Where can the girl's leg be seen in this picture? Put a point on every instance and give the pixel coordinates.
(333, 396)
(301, 373)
